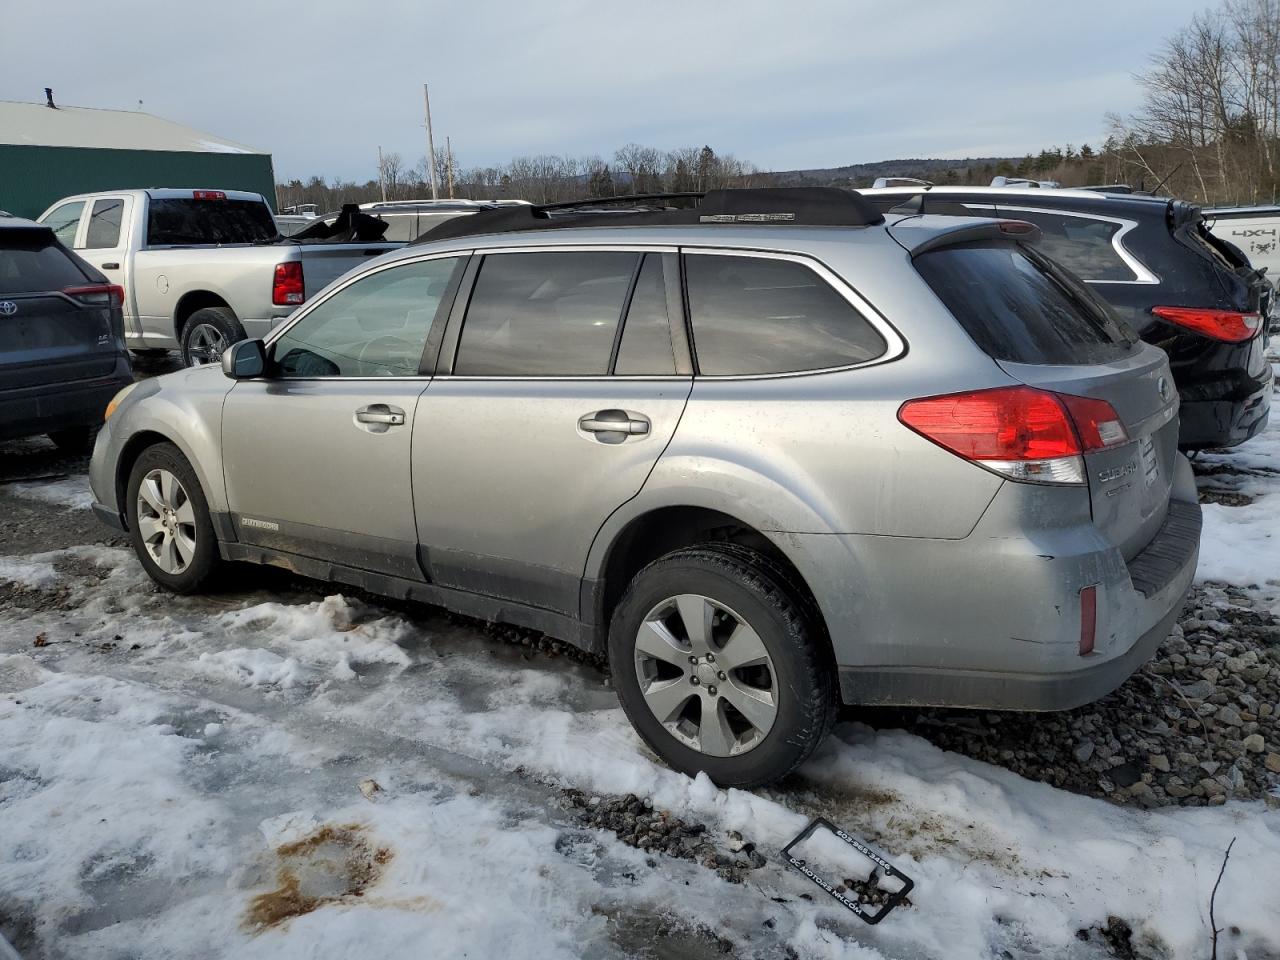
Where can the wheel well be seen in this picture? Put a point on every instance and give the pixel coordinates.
(189, 304)
(128, 457)
(651, 535)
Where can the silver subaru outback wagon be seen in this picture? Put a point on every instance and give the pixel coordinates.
(769, 453)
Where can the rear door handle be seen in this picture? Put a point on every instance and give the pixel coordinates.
(614, 421)
(111, 265)
(380, 413)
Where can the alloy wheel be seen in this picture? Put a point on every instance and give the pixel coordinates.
(205, 344)
(166, 521)
(706, 675)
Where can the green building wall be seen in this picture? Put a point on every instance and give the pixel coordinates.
(31, 177)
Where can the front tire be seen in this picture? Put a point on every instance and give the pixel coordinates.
(720, 665)
(169, 521)
(207, 333)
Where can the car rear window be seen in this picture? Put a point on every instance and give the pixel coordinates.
(32, 262)
(181, 221)
(1020, 306)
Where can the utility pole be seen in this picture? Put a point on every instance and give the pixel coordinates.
(382, 180)
(431, 144)
(448, 149)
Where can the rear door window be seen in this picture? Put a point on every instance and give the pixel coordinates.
(1084, 245)
(1021, 307)
(63, 221)
(103, 232)
(549, 314)
(30, 262)
(759, 315)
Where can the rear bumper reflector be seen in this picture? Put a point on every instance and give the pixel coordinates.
(1088, 619)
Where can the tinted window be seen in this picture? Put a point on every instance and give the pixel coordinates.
(104, 225)
(646, 335)
(1019, 306)
(30, 263)
(181, 221)
(544, 314)
(63, 221)
(375, 327)
(759, 315)
(1081, 244)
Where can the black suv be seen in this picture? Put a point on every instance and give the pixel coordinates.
(62, 352)
(1154, 261)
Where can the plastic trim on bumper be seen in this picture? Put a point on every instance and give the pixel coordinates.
(109, 517)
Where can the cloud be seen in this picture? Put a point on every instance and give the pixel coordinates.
(323, 84)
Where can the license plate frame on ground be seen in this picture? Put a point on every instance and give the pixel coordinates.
(882, 866)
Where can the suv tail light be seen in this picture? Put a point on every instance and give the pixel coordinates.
(287, 289)
(1230, 326)
(98, 294)
(1018, 432)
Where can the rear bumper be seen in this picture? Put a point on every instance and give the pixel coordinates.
(993, 621)
(29, 411)
(1227, 422)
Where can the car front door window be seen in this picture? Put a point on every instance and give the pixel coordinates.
(374, 327)
(64, 220)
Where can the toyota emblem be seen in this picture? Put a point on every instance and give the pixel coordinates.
(1163, 386)
(8, 308)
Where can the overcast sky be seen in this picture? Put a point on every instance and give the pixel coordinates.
(784, 84)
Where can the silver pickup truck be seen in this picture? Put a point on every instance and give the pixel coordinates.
(201, 269)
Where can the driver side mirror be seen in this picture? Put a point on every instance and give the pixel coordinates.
(245, 360)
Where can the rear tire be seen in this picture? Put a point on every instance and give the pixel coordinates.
(757, 647)
(169, 521)
(208, 332)
(74, 440)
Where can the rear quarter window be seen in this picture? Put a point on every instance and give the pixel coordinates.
(756, 315)
(1021, 307)
(32, 263)
(1084, 245)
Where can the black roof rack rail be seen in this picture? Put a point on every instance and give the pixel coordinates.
(799, 206)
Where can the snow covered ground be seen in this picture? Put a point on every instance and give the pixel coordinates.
(285, 771)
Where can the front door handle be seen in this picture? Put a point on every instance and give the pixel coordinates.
(614, 426)
(380, 413)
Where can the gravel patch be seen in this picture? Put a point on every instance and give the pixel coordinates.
(1199, 724)
(634, 821)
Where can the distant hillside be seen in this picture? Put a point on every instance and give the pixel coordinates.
(968, 170)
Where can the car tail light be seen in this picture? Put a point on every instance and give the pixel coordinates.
(287, 289)
(1230, 326)
(98, 294)
(208, 195)
(1019, 432)
(1088, 619)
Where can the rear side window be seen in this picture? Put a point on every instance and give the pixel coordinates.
(181, 222)
(1019, 306)
(544, 314)
(1083, 245)
(759, 315)
(31, 263)
(104, 225)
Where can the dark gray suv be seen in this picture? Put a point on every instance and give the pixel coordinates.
(62, 352)
(769, 453)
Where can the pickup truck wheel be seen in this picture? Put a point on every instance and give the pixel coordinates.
(207, 333)
(169, 521)
(719, 666)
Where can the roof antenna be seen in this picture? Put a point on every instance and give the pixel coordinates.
(1165, 180)
(48, 98)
